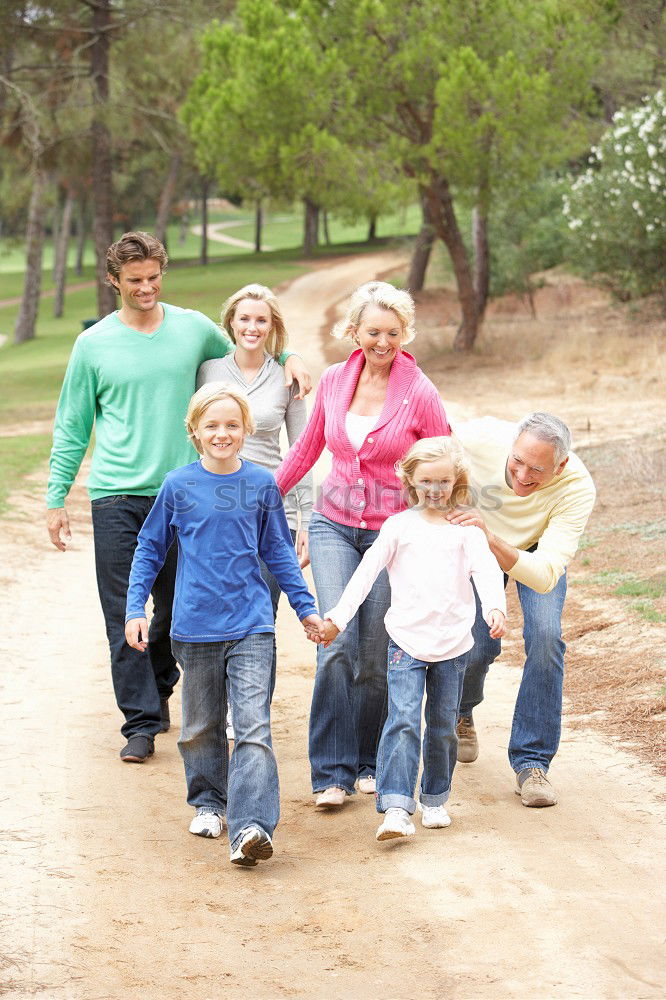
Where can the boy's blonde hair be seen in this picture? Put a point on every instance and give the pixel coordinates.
(276, 341)
(211, 393)
(384, 296)
(429, 450)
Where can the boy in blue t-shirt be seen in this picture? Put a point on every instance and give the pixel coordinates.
(225, 513)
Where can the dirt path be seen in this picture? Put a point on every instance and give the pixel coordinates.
(215, 232)
(106, 895)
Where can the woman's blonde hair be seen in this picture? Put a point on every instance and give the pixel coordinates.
(429, 450)
(384, 296)
(277, 338)
(211, 393)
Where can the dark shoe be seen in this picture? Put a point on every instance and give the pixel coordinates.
(166, 718)
(138, 748)
(468, 744)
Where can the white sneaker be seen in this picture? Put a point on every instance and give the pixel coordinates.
(367, 785)
(397, 823)
(254, 845)
(207, 823)
(434, 817)
(334, 797)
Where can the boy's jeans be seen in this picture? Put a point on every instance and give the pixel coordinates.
(246, 787)
(400, 746)
(535, 733)
(349, 697)
(139, 679)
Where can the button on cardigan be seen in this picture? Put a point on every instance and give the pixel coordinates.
(362, 489)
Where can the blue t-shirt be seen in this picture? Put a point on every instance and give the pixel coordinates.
(222, 523)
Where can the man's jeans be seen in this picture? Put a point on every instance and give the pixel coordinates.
(535, 734)
(349, 697)
(400, 745)
(139, 679)
(250, 796)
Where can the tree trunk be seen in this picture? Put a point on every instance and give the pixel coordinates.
(81, 227)
(203, 257)
(60, 268)
(324, 222)
(24, 328)
(56, 220)
(372, 229)
(422, 250)
(440, 206)
(102, 180)
(481, 258)
(311, 229)
(258, 224)
(166, 198)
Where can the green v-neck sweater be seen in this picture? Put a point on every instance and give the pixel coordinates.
(134, 388)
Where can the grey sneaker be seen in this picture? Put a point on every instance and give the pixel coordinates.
(534, 788)
(468, 744)
(254, 845)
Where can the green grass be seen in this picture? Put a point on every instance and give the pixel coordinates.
(647, 610)
(19, 456)
(651, 589)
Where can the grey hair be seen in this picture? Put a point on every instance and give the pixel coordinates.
(385, 296)
(547, 427)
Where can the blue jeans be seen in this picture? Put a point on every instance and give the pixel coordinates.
(400, 745)
(537, 718)
(349, 697)
(246, 787)
(139, 679)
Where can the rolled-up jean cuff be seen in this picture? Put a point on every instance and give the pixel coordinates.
(392, 800)
(434, 800)
(528, 767)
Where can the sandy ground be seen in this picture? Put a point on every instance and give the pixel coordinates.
(106, 895)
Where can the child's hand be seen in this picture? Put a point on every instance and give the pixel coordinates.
(497, 623)
(312, 625)
(136, 633)
(328, 632)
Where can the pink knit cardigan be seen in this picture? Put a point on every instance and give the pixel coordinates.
(362, 489)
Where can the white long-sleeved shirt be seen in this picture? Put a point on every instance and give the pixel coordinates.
(430, 568)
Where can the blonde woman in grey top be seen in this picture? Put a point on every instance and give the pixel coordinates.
(252, 318)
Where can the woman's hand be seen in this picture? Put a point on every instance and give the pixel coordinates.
(136, 633)
(295, 370)
(497, 623)
(302, 550)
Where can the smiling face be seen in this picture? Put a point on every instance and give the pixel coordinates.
(139, 285)
(251, 324)
(220, 434)
(434, 482)
(379, 335)
(531, 465)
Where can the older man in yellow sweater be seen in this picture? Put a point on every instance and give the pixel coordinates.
(533, 499)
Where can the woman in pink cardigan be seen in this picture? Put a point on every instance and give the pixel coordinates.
(368, 412)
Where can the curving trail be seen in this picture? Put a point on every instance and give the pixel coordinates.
(106, 895)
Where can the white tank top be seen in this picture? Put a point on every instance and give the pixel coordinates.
(358, 427)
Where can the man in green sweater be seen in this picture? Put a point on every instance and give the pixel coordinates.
(131, 376)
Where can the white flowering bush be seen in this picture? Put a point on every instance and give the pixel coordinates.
(616, 208)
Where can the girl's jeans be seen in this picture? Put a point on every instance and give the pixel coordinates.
(400, 744)
(245, 787)
(349, 697)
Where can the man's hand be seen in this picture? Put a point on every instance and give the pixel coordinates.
(57, 524)
(136, 633)
(468, 517)
(302, 550)
(497, 623)
(295, 370)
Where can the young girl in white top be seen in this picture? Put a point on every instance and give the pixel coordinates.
(430, 564)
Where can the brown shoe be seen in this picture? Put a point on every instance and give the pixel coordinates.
(535, 789)
(468, 744)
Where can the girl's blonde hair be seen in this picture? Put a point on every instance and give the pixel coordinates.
(384, 296)
(429, 450)
(211, 393)
(277, 338)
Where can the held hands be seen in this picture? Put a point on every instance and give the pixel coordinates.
(497, 623)
(57, 524)
(136, 633)
(323, 633)
(295, 370)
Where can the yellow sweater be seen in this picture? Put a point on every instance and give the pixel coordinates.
(554, 516)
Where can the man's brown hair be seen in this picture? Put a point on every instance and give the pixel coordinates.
(134, 246)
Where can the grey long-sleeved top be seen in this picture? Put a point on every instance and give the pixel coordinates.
(272, 405)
